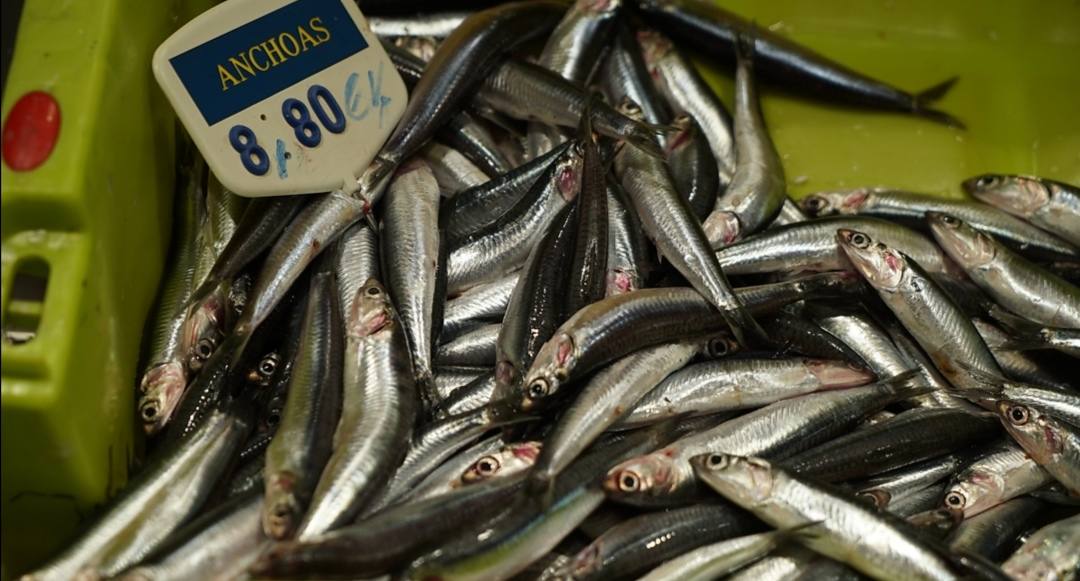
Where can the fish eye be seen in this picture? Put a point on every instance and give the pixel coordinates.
(150, 412)
(716, 461)
(1018, 415)
(718, 347)
(538, 388)
(955, 499)
(268, 365)
(373, 291)
(629, 482)
(814, 203)
(950, 220)
(204, 348)
(487, 465)
(273, 419)
(860, 240)
(986, 181)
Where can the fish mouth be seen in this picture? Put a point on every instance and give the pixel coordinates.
(721, 228)
(834, 375)
(162, 386)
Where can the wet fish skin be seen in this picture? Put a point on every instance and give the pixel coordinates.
(379, 408)
(670, 223)
(733, 384)
(901, 483)
(911, 208)
(469, 136)
(446, 477)
(993, 532)
(161, 498)
(718, 559)
(453, 171)
(911, 436)
(687, 92)
(221, 544)
(1053, 444)
(411, 253)
(533, 93)
(574, 48)
(475, 347)
(536, 304)
(1052, 552)
(503, 245)
(588, 262)
(624, 75)
(811, 246)
(785, 501)
(485, 303)
(629, 259)
(356, 259)
(605, 400)
(713, 31)
(165, 376)
(1015, 283)
(473, 209)
(794, 334)
(471, 396)
(1053, 206)
(1001, 474)
(693, 167)
(779, 430)
(302, 444)
(635, 545)
(1017, 365)
(438, 24)
(943, 330)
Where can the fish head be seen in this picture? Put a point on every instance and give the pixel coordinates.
(876, 496)
(637, 479)
(833, 203)
(631, 109)
(962, 242)
(585, 563)
(721, 345)
(654, 47)
(203, 330)
(162, 387)
(262, 373)
(549, 371)
(621, 281)
(721, 228)
(837, 374)
(568, 170)
(1022, 195)
(372, 311)
(511, 458)
(883, 267)
(606, 7)
(281, 508)
(746, 481)
(973, 492)
(1038, 434)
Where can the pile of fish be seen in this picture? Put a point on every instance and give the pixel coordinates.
(568, 325)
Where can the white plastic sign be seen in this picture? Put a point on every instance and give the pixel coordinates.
(282, 96)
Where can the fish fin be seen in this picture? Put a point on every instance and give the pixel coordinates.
(1056, 497)
(905, 385)
(645, 142)
(925, 98)
(808, 530)
(1023, 335)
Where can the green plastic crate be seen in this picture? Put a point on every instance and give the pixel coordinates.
(96, 213)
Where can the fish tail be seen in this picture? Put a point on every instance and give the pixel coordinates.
(745, 41)
(905, 385)
(642, 138)
(746, 329)
(924, 99)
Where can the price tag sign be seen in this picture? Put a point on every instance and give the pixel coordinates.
(282, 96)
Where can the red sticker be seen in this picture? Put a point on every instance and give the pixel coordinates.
(30, 131)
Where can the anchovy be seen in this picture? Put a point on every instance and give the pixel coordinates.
(1003, 473)
(1050, 205)
(624, 76)
(693, 167)
(471, 396)
(588, 262)
(672, 226)
(1052, 552)
(304, 439)
(452, 170)
(533, 93)
(638, 544)
(811, 246)
(714, 31)
(219, 545)
(413, 255)
(474, 347)
(718, 559)
(733, 384)
(449, 379)
(794, 333)
(486, 460)
(485, 303)
(993, 532)
(1054, 444)
(912, 436)
(901, 483)
(1017, 284)
(469, 136)
(166, 493)
(446, 477)
(629, 259)
(790, 213)
(1017, 364)
(379, 408)
(912, 207)
(779, 430)
(356, 259)
(471, 210)
(502, 246)
(943, 331)
(689, 94)
(785, 501)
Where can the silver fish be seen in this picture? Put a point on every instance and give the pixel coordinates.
(1054, 444)
(438, 24)
(481, 304)
(453, 171)
(884, 548)
(379, 408)
(1052, 552)
(1053, 206)
(624, 76)
(473, 347)
(901, 483)
(717, 559)
(356, 259)
(1006, 472)
(449, 379)
(448, 476)
(629, 261)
